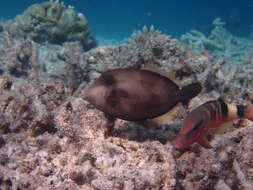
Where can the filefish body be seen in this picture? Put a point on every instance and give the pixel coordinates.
(207, 117)
(136, 95)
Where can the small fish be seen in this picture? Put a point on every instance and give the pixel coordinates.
(136, 95)
(206, 118)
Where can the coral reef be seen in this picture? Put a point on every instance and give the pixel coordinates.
(117, 159)
(51, 22)
(219, 76)
(73, 157)
(220, 43)
(146, 47)
(227, 166)
(50, 138)
(25, 58)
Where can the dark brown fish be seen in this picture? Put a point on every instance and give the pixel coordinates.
(136, 95)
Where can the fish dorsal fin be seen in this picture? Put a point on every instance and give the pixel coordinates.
(170, 75)
(204, 142)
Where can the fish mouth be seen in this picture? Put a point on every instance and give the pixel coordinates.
(180, 144)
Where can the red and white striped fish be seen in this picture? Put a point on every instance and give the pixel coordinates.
(206, 118)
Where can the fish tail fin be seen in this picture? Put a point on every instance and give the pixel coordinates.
(248, 113)
(190, 91)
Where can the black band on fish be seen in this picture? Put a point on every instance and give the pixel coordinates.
(240, 110)
(212, 110)
(195, 128)
(224, 108)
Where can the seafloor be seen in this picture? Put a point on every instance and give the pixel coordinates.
(50, 138)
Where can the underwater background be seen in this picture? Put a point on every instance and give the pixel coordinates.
(52, 51)
(112, 21)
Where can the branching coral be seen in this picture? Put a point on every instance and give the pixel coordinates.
(220, 43)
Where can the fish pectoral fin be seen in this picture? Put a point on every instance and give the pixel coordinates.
(204, 142)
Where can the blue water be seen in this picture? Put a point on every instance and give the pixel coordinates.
(117, 19)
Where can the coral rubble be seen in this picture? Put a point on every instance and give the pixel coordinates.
(227, 165)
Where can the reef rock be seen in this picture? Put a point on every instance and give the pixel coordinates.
(147, 47)
(79, 157)
(24, 58)
(228, 164)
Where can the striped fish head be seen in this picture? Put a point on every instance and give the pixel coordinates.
(196, 126)
(209, 117)
(193, 130)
